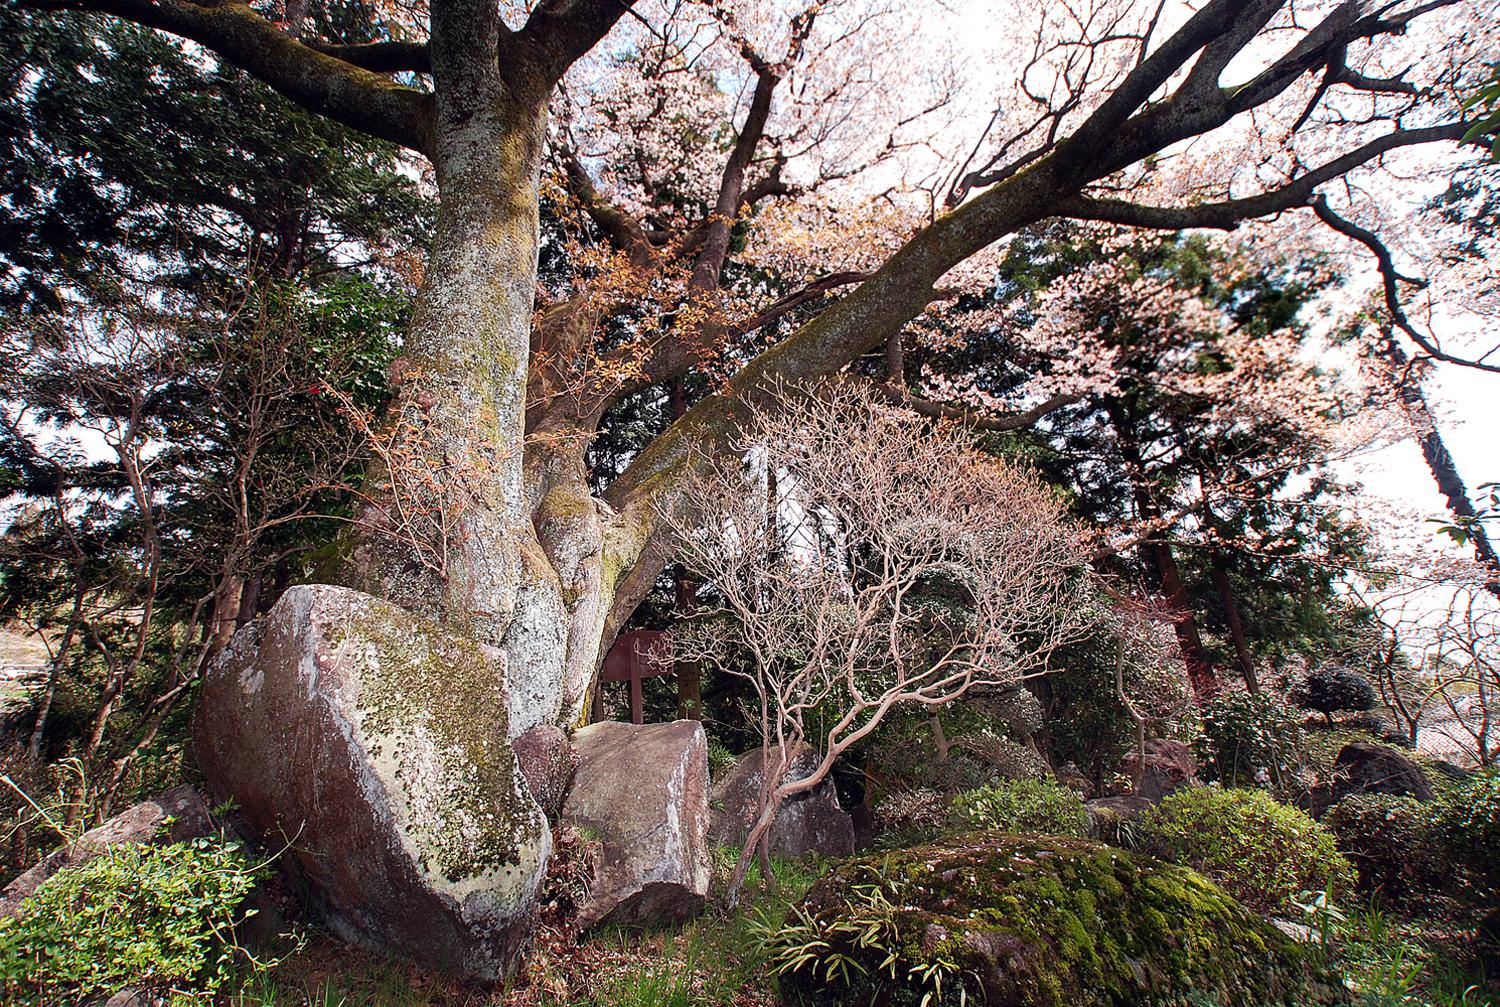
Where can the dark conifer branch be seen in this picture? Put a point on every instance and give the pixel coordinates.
(324, 83)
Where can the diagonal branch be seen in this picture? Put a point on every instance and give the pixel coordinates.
(1001, 423)
(559, 32)
(1112, 138)
(1230, 213)
(1391, 285)
(623, 230)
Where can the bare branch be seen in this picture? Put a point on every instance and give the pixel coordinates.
(1391, 286)
(974, 419)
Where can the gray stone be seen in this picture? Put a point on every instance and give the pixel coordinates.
(547, 762)
(132, 998)
(174, 817)
(642, 792)
(1299, 932)
(810, 822)
(372, 744)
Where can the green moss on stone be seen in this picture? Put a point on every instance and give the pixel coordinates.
(433, 710)
(1035, 921)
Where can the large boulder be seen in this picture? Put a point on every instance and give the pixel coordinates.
(373, 746)
(1164, 767)
(174, 817)
(1365, 768)
(1035, 921)
(642, 790)
(810, 822)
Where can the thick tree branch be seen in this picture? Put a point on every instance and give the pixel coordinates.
(720, 223)
(1215, 19)
(321, 82)
(559, 32)
(623, 230)
(1324, 44)
(379, 57)
(1230, 213)
(1114, 137)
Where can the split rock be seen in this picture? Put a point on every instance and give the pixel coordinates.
(547, 762)
(643, 791)
(373, 744)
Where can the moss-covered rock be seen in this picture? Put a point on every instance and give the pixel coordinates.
(1034, 921)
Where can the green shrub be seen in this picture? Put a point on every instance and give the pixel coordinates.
(1389, 841)
(135, 916)
(1467, 826)
(1261, 851)
(720, 759)
(1249, 738)
(1022, 806)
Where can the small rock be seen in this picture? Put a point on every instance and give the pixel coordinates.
(174, 817)
(810, 822)
(642, 790)
(547, 762)
(1298, 932)
(1168, 766)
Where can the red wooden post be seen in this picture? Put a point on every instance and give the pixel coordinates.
(637, 712)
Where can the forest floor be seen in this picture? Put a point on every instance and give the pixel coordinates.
(713, 959)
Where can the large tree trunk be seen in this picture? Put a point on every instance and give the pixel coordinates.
(451, 537)
(509, 546)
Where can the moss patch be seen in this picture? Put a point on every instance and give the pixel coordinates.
(433, 713)
(1034, 921)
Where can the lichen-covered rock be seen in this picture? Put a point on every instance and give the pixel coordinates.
(1166, 766)
(1034, 921)
(174, 817)
(642, 790)
(375, 745)
(810, 822)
